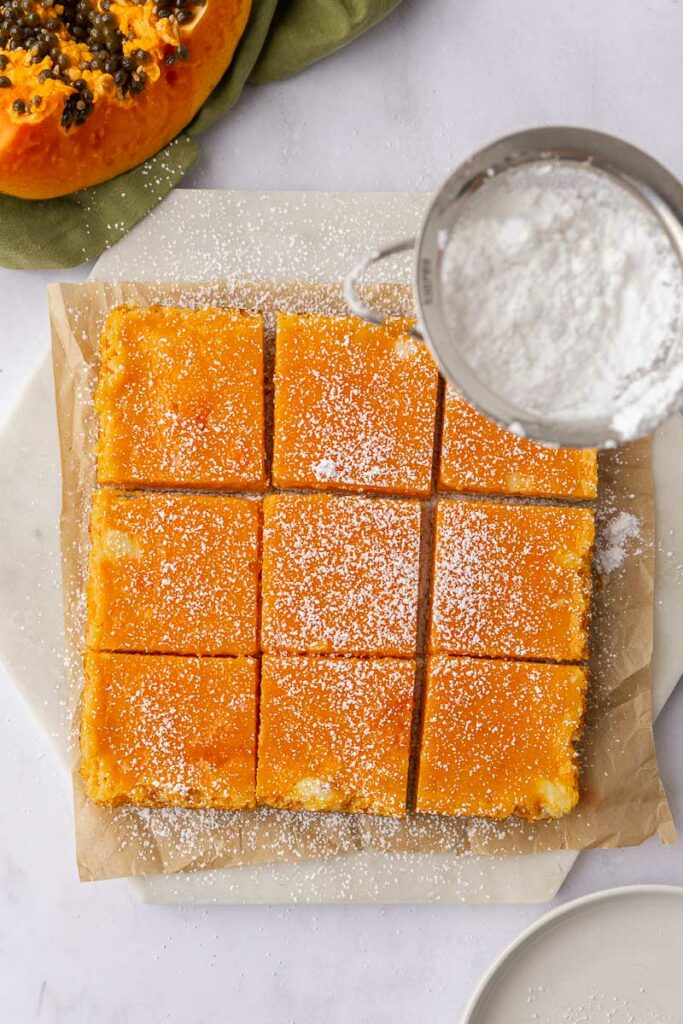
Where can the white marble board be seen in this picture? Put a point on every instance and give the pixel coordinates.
(205, 235)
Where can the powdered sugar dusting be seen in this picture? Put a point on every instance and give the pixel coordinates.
(325, 470)
(566, 297)
(613, 541)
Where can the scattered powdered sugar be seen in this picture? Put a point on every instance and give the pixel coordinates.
(612, 544)
(464, 878)
(566, 297)
(629, 1007)
(325, 470)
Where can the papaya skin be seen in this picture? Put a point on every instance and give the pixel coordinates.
(40, 159)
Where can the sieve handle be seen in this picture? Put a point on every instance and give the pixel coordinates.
(352, 281)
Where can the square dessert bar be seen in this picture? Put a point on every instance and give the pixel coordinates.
(479, 456)
(511, 580)
(497, 738)
(340, 575)
(335, 733)
(173, 573)
(180, 399)
(160, 730)
(355, 405)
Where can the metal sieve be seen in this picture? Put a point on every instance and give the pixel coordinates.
(647, 180)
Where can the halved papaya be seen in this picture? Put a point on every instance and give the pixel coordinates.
(90, 88)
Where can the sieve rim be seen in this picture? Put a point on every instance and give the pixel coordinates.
(651, 183)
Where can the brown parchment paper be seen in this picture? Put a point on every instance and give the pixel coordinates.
(622, 799)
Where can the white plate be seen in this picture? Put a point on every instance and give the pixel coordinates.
(610, 958)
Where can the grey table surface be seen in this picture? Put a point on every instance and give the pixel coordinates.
(397, 110)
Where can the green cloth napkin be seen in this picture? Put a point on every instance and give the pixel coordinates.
(281, 38)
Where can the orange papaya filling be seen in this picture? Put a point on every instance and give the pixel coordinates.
(66, 55)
